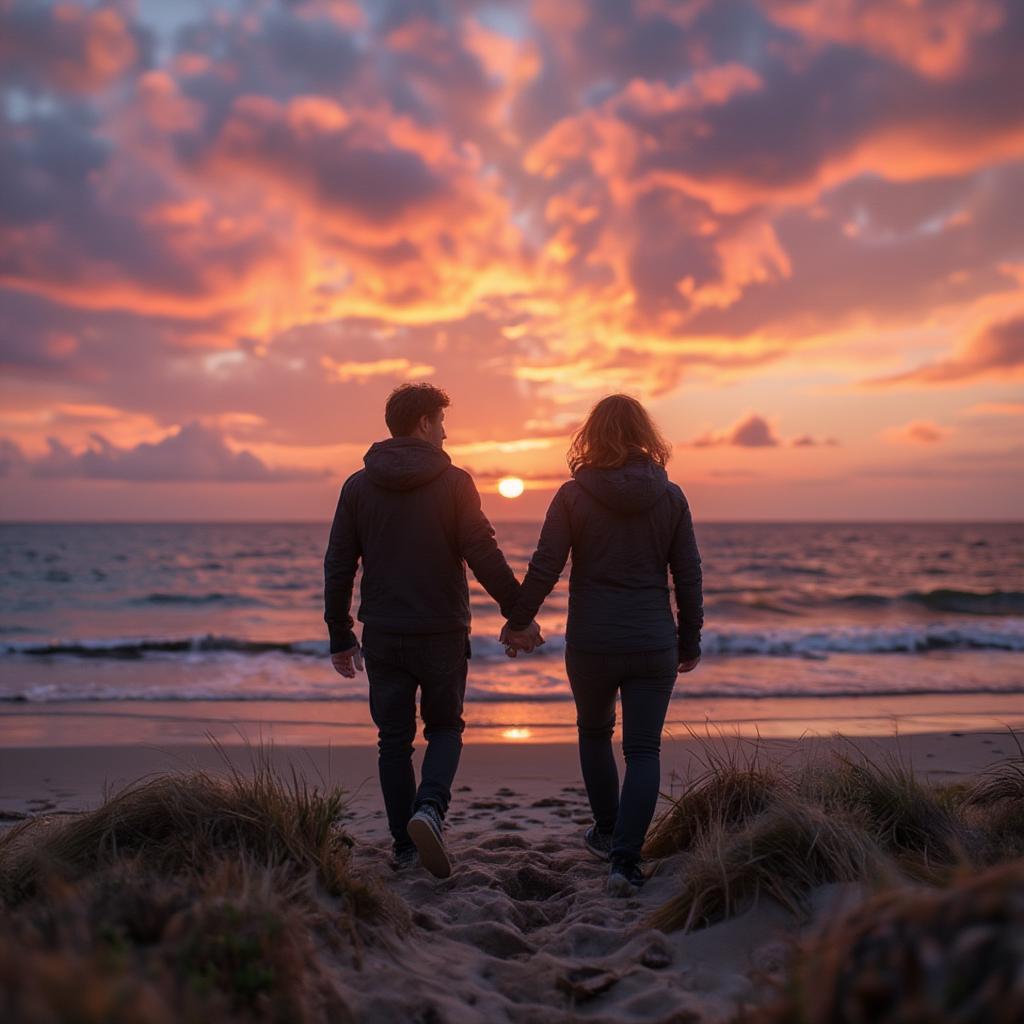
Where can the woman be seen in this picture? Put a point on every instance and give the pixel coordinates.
(626, 526)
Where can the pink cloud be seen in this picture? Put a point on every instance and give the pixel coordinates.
(997, 350)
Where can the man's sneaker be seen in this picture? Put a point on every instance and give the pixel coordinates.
(403, 857)
(598, 843)
(625, 878)
(426, 830)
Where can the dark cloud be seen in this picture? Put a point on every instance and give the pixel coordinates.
(194, 452)
(336, 167)
(752, 431)
(69, 47)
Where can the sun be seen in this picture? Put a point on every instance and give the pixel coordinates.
(510, 487)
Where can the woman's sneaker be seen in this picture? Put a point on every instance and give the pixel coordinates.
(426, 830)
(625, 878)
(404, 856)
(598, 843)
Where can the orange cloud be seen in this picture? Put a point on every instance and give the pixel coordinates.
(997, 350)
(917, 432)
(349, 371)
(935, 38)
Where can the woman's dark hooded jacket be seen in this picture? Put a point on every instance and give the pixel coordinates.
(626, 528)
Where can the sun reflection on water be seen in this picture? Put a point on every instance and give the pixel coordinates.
(516, 734)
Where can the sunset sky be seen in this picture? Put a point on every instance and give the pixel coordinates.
(794, 229)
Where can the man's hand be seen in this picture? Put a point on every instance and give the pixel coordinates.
(347, 663)
(688, 666)
(525, 640)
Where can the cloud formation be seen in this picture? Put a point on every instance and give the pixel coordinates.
(752, 431)
(285, 208)
(918, 432)
(755, 431)
(998, 349)
(194, 452)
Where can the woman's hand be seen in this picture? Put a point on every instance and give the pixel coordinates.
(525, 640)
(688, 666)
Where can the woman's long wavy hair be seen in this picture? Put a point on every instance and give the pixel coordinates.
(616, 428)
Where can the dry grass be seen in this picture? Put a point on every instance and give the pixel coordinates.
(995, 807)
(916, 955)
(749, 827)
(736, 784)
(783, 853)
(911, 821)
(179, 822)
(127, 945)
(187, 897)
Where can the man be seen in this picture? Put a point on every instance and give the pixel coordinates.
(414, 520)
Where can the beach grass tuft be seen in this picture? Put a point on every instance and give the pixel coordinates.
(179, 822)
(914, 954)
(911, 821)
(747, 827)
(782, 854)
(188, 896)
(734, 786)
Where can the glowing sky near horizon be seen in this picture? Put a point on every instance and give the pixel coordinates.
(794, 229)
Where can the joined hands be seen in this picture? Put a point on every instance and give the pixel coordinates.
(525, 640)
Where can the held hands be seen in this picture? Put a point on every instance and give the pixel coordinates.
(347, 663)
(525, 640)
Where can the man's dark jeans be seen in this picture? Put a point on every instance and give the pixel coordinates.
(396, 665)
(645, 680)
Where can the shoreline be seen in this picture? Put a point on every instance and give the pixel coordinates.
(346, 723)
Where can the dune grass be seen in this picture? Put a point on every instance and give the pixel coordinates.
(734, 787)
(783, 854)
(749, 826)
(189, 896)
(914, 955)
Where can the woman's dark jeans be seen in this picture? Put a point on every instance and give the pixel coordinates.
(397, 665)
(645, 680)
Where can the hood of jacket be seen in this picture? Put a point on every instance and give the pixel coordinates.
(404, 463)
(633, 487)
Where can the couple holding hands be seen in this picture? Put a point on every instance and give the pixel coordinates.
(414, 521)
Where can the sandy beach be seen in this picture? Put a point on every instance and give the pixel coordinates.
(523, 929)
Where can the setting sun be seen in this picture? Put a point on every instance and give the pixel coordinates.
(511, 487)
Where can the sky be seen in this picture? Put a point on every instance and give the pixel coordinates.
(793, 229)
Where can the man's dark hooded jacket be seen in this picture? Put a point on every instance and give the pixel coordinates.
(626, 528)
(414, 519)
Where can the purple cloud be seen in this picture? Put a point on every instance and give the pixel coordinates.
(194, 452)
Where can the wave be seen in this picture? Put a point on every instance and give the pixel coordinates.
(129, 649)
(74, 694)
(945, 599)
(192, 600)
(801, 642)
(969, 602)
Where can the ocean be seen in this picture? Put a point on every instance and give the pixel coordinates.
(232, 612)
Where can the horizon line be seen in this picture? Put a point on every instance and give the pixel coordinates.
(776, 521)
